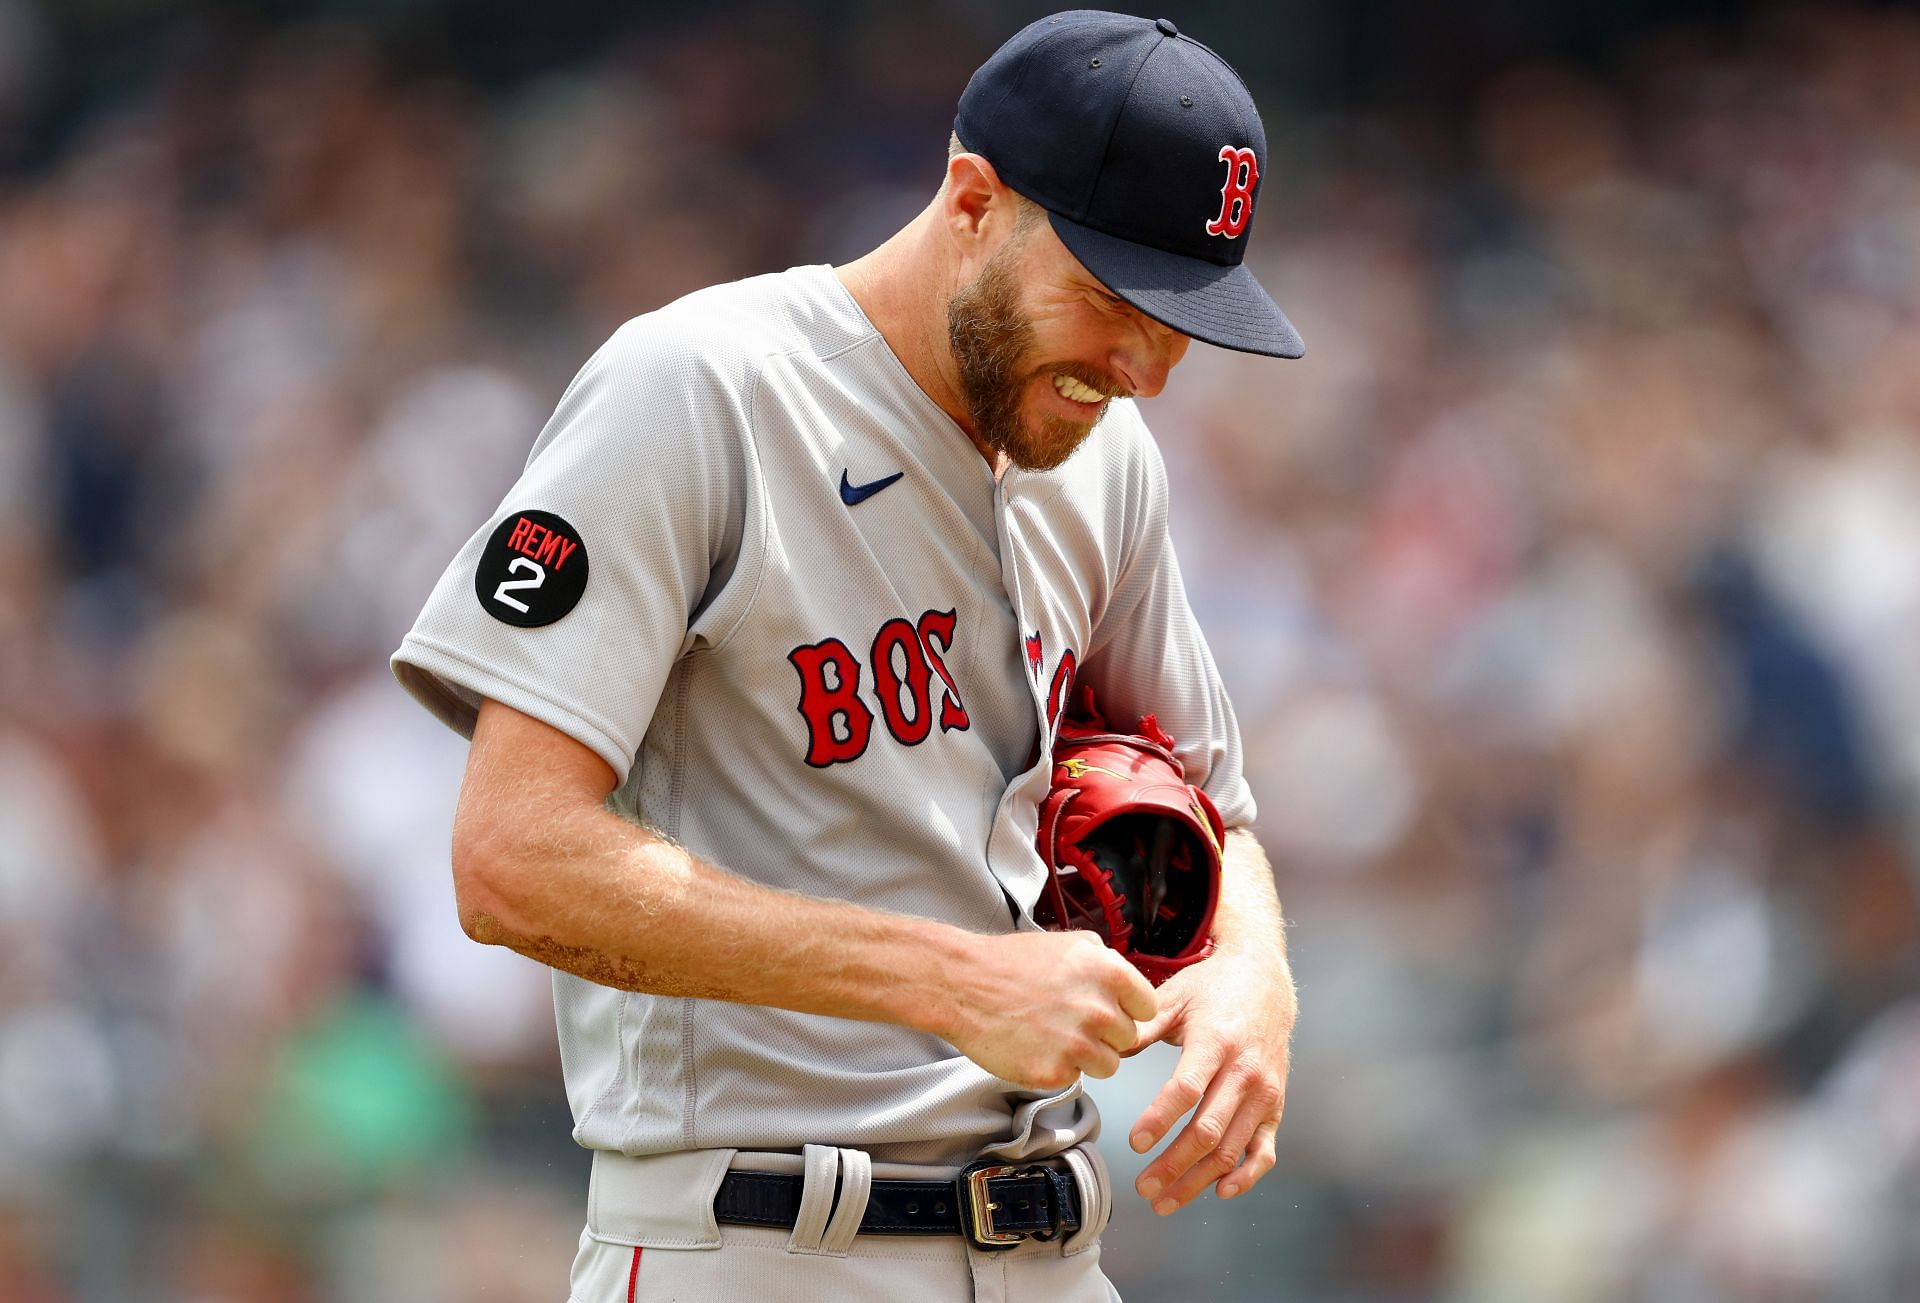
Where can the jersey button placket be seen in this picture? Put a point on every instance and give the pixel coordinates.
(1010, 577)
(1010, 580)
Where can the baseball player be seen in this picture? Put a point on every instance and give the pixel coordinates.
(761, 659)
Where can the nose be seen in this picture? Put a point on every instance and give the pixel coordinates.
(1143, 359)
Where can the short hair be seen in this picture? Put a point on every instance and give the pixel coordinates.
(1025, 211)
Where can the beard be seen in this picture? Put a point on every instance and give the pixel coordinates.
(992, 341)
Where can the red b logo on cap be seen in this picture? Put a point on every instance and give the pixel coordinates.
(1236, 196)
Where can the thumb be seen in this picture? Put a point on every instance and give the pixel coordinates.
(1163, 1026)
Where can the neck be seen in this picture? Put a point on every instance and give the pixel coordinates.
(903, 287)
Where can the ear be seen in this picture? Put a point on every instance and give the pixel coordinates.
(976, 207)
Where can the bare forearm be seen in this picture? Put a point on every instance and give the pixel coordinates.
(599, 897)
(1249, 917)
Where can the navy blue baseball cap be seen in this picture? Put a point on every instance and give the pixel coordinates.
(1146, 151)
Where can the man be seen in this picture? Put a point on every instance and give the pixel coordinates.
(762, 659)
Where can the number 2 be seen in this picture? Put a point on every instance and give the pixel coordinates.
(539, 577)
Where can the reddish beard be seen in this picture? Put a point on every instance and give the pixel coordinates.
(992, 342)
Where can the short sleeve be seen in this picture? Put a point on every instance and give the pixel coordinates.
(624, 545)
(1149, 656)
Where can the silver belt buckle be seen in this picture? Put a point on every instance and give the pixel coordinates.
(977, 1208)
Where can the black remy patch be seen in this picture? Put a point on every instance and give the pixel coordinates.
(532, 570)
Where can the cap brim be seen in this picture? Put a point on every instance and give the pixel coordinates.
(1218, 305)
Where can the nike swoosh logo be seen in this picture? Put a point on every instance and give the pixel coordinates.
(854, 494)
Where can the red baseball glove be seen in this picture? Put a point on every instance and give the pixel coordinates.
(1134, 848)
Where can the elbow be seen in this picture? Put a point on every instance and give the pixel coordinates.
(481, 884)
(521, 775)
(480, 917)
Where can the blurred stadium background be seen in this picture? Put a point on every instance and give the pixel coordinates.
(1569, 591)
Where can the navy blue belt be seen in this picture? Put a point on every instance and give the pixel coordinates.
(996, 1205)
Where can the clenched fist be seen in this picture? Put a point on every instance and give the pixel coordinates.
(1040, 1008)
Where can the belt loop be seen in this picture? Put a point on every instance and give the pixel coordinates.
(816, 1198)
(856, 1182)
(1096, 1197)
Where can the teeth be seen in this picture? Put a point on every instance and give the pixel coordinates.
(1079, 393)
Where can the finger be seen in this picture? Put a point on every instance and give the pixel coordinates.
(1260, 1160)
(1210, 1154)
(1190, 1079)
(1168, 1030)
(1170, 1180)
(1167, 1023)
(1122, 1034)
(1100, 1061)
(1138, 997)
(1163, 1026)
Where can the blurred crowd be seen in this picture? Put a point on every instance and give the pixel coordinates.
(1569, 591)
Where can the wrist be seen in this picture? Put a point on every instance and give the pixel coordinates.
(1266, 958)
(1270, 969)
(935, 965)
(1269, 952)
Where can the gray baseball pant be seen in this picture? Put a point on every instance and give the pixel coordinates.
(651, 1238)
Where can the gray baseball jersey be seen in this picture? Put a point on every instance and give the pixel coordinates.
(773, 585)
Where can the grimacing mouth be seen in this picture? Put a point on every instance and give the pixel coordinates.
(1077, 391)
(1084, 385)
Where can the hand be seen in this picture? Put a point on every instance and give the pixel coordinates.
(1040, 1008)
(1233, 1015)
